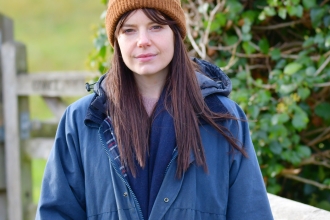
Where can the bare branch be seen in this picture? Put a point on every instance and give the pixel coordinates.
(258, 66)
(231, 62)
(322, 84)
(321, 159)
(209, 22)
(307, 181)
(313, 132)
(191, 38)
(320, 137)
(257, 55)
(291, 44)
(294, 57)
(324, 2)
(233, 59)
(326, 62)
(292, 50)
(277, 26)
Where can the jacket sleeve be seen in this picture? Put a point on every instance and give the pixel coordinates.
(63, 191)
(247, 193)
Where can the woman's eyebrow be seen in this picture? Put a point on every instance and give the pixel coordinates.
(128, 25)
(134, 25)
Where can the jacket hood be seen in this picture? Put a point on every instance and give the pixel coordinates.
(212, 79)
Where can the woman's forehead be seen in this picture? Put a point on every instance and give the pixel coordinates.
(136, 12)
(149, 14)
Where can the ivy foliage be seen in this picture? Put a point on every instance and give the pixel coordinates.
(277, 54)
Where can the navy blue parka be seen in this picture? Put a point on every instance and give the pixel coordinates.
(84, 178)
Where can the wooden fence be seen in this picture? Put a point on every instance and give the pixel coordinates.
(17, 146)
(22, 139)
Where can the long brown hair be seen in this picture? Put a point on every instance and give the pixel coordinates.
(130, 120)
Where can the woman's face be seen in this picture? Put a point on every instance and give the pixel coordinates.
(147, 48)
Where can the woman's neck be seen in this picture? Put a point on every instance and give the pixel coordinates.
(150, 86)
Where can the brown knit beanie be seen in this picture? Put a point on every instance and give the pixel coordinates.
(116, 8)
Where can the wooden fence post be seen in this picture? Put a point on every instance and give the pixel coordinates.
(16, 132)
(6, 34)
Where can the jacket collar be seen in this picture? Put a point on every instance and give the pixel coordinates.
(97, 110)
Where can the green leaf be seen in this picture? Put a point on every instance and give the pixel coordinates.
(309, 3)
(230, 40)
(327, 181)
(319, 38)
(235, 83)
(326, 21)
(215, 26)
(322, 110)
(248, 48)
(264, 45)
(234, 8)
(274, 169)
(277, 131)
(327, 41)
(300, 120)
(251, 15)
(274, 188)
(286, 89)
(292, 68)
(241, 75)
(254, 111)
(273, 2)
(282, 13)
(246, 37)
(269, 11)
(296, 11)
(303, 93)
(275, 147)
(275, 54)
(295, 2)
(103, 52)
(262, 16)
(280, 118)
(263, 97)
(310, 71)
(316, 16)
(304, 151)
(309, 42)
(291, 156)
(242, 96)
(221, 19)
(246, 28)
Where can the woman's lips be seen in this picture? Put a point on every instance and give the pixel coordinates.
(145, 57)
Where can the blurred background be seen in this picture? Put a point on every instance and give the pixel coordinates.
(276, 53)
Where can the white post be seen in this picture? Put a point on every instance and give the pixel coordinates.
(12, 142)
(6, 34)
(17, 132)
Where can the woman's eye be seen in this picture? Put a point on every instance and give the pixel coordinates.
(156, 27)
(128, 31)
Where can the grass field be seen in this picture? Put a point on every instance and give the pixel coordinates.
(58, 35)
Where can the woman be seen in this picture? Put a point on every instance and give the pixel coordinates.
(159, 139)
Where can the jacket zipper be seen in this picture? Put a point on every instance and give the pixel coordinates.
(175, 155)
(123, 179)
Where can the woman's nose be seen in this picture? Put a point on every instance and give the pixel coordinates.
(144, 39)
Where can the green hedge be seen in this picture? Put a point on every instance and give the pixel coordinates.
(277, 54)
